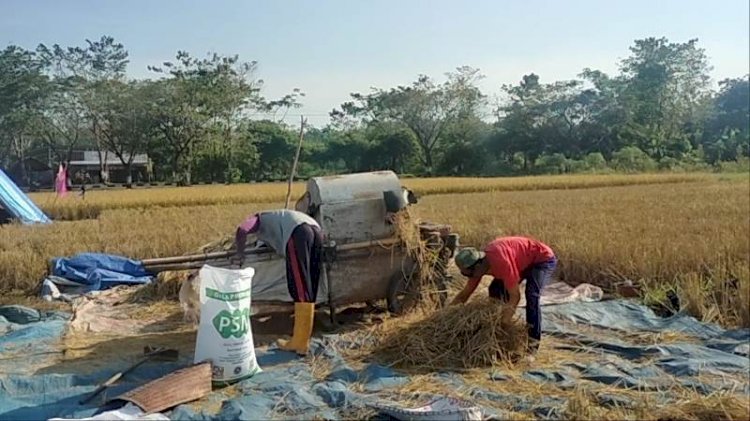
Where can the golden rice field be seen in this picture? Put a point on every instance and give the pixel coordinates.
(687, 230)
(98, 201)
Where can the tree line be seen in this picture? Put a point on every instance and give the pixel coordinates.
(196, 118)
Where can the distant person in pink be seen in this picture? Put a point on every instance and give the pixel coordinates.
(61, 181)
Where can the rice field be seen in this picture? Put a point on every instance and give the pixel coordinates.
(97, 201)
(682, 231)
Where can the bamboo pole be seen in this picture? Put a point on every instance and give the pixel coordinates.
(293, 172)
(200, 257)
(220, 259)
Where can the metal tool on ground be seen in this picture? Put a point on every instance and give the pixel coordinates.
(162, 354)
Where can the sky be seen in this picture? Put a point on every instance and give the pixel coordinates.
(331, 48)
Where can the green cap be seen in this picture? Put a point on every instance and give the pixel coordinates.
(468, 257)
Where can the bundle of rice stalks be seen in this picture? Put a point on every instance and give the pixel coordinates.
(458, 337)
(425, 257)
(225, 243)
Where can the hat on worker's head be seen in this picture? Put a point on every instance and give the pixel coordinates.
(468, 257)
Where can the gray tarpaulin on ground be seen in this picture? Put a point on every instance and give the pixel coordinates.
(287, 389)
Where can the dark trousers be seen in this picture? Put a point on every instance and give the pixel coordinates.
(304, 251)
(537, 276)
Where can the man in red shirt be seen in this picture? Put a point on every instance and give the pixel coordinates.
(510, 260)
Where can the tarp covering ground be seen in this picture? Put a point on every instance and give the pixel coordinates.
(699, 356)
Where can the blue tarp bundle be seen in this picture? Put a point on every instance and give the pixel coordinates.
(288, 389)
(95, 271)
(18, 204)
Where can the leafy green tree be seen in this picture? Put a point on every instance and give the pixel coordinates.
(391, 147)
(66, 116)
(23, 89)
(102, 68)
(556, 163)
(595, 161)
(632, 159)
(466, 147)
(424, 107)
(667, 87)
(519, 121)
(124, 120)
(205, 95)
(275, 146)
(727, 134)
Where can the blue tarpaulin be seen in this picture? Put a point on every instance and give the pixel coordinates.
(96, 271)
(17, 204)
(708, 360)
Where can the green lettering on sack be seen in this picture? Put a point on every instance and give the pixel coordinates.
(228, 296)
(235, 323)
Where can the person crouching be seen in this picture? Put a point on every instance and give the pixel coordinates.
(510, 260)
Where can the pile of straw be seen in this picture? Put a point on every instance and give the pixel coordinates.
(459, 337)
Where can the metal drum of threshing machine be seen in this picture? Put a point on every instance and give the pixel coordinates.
(352, 213)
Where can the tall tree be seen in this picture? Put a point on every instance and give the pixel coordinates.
(63, 122)
(103, 67)
(519, 121)
(204, 95)
(274, 144)
(667, 88)
(23, 88)
(423, 107)
(727, 134)
(126, 116)
(391, 147)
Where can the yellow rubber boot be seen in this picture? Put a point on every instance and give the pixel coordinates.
(304, 315)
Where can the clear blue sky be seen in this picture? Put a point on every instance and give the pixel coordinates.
(332, 48)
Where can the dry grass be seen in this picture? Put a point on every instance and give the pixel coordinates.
(605, 234)
(583, 401)
(157, 232)
(723, 299)
(96, 202)
(651, 234)
(717, 406)
(431, 186)
(582, 405)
